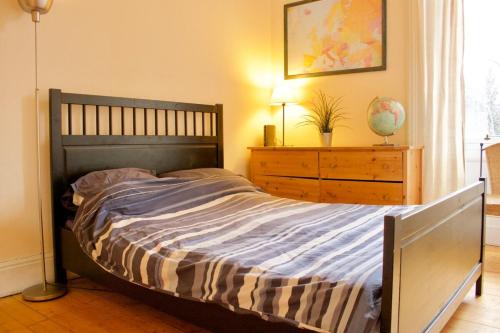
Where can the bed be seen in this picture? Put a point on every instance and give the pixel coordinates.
(432, 255)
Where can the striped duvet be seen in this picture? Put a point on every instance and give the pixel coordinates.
(221, 240)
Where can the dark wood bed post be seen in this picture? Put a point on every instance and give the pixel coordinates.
(390, 276)
(58, 182)
(220, 136)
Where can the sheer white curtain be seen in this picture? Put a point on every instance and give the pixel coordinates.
(436, 110)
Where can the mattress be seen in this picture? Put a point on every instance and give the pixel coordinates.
(221, 240)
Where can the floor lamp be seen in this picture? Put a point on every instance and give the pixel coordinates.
(283, 95)
(43, 291)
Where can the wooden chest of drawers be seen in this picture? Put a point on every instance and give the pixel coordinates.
(367, 175)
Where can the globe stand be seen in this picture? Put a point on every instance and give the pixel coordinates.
(386, 143)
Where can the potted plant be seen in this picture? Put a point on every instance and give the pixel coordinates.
(326, 114)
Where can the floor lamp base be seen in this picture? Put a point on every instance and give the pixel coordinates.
(38, 294)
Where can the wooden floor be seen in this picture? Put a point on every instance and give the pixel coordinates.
(84, 310)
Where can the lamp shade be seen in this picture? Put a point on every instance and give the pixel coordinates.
(35, 7)
(283, 94)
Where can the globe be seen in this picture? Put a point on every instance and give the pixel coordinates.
(385, 116)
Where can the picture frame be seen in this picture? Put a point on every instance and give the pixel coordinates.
(333, 37)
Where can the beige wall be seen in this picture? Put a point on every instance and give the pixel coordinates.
(358, 89)
(220, 51)
(191, 50)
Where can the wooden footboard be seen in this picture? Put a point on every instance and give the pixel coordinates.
(432, 257)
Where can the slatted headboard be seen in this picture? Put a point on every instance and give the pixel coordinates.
(89, 133)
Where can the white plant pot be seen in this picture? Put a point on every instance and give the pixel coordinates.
(326, 139)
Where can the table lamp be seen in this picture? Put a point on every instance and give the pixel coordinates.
(283, 95)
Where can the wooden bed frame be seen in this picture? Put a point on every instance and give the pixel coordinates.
(432, 256)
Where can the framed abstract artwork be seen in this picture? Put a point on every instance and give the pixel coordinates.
(328, 37)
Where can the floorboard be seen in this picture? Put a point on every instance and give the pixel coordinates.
(481, 314)
(91, 309)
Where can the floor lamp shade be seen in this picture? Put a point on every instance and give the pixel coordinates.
(43, 291)
(35, 7)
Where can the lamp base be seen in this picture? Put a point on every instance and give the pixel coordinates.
(36, 293)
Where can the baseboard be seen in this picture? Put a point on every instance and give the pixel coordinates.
(20, 273)
(493, 230)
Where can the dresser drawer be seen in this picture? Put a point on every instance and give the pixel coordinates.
(288, 187)
(285, 163)
(370, 193)
(362, 165)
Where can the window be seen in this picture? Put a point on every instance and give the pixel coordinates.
(482, 80)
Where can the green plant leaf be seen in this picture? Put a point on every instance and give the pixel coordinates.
(326, 112)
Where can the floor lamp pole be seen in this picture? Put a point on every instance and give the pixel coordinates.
(38, 164)
(43, 291)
